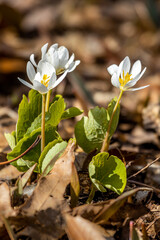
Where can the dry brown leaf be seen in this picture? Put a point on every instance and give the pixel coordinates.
(102, 212)
(78, 228)
(5, 202)
(140, 136)
(41, 215)
(50, 189)
(9, 172)
(74, 186)
(151, 117)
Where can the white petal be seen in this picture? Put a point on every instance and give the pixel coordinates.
(33, 60)
(55, 60)
(63, 55)
(39, 87)
(70, 61)
(136, 68)
(45, 68)
(126, 66)
(115, 80)
(63, 52)
(135, 89)
(135, 80)
(44, 50)
(73, 65)
(30, 71)
(54, 46)
(38, 77)
(112, 69)
(120, 70)
(52, 81)
(25, 83)
(48, 57)
(60, 79)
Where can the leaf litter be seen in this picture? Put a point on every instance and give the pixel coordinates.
(138, 147)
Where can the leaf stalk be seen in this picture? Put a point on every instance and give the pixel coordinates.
(43, 122)
(48, 100)
(106, 141)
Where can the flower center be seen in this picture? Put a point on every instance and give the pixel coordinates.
(60, 71)
(45, 80)
(125, 79)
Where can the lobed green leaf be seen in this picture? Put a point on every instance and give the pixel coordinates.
(27, 112)
(90, 131)
(115, 119)
(48, 160)
(10, 137)
(52, 117)
(31, 157)
(71, 112)
(108, 172)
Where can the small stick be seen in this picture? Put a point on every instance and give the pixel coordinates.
(8, 228)
(144, 185)
(148, 165)
(150, 225)
(24, 153)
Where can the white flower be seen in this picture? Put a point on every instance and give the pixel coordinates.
(58, 57)
(123, 77)
(44, 78)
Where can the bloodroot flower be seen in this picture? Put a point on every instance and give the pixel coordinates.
(58, 57)
(53, 62)
(44, 79)
(123, 77)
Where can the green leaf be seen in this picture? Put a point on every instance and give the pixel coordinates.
(10, 139)
(27, 112)
(52, 117)
(90, 131)
(108, 172)
(115, 119)
(46, 149)
(71, 112)
(31, 157)
(52, 155)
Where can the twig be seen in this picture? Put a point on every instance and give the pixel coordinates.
(24, 153)
(8, 228)
(148, 165)
(144, 185)
(150, 225)
(122, 156)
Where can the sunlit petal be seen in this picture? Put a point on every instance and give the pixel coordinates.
(25, 83)
(44, 49)
(112, 69)
(30, 71)
(135, 80)
(126, 66)
(136, 68)
(73, 65)
(60, 79)
(135, 89)
(33, 60)
(52, 81)
(115, 80)
(39, 87)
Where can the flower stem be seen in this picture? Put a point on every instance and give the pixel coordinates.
(92, 193)
(48, 99)
(106, 142)
(43, 122)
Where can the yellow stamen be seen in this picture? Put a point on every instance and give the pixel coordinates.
(60, 71)
(45, 80)
(125, 79)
